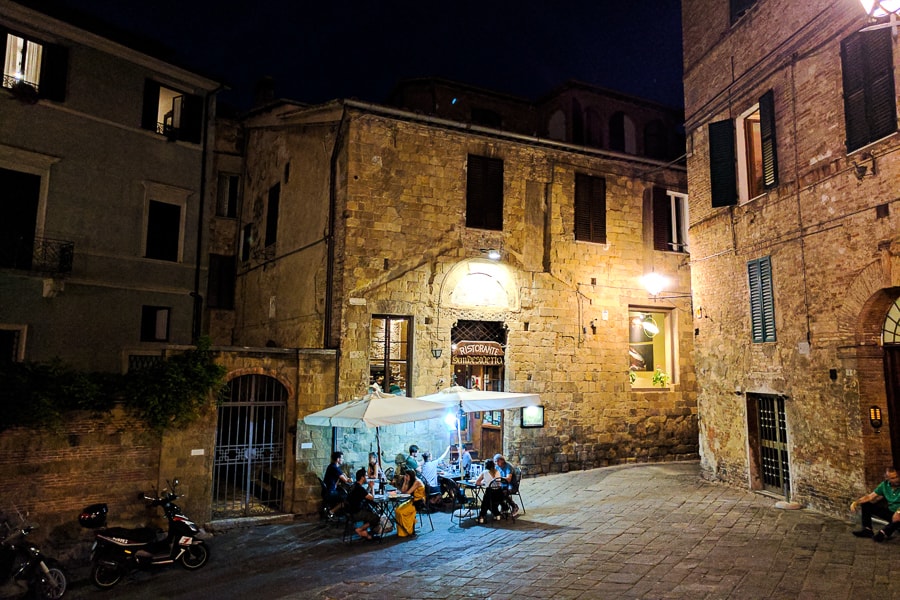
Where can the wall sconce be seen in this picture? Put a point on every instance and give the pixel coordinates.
(594, 326)
(654, 283)
(436, 352)
(493, 254)
(875, 418)
(861, 170)
(877, 9)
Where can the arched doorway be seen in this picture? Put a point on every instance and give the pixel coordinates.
(248, 472)
(890, 337)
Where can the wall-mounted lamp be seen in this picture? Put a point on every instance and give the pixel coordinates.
(594, 326)
(436, 352)
(493, 254)
(877, 9)
(875, 418)
(654, 283)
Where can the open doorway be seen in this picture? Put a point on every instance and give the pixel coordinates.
(478, 352)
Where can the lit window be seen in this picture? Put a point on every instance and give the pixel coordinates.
(172, 113)
(389, 355)
(650, 349)
(669, 220)
(23, 61)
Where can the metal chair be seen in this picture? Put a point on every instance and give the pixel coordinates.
(463, 506)
(493, 494)
(421, 510)
(514, 489)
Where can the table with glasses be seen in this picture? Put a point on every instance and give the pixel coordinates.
(388, 503)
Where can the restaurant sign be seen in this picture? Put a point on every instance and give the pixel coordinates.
(477, 353)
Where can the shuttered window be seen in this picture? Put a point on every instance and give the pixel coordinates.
(762, 303)
(170, 112)
(590, 209)
(484, 193)
(723, 181)
(868, 77)
(767, 133)
(38, 64)
(669, 220)
(272, 214)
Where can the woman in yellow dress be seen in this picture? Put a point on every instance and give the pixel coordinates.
(406, 512)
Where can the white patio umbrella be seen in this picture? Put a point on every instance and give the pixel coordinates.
(466, 400)
(374, 410)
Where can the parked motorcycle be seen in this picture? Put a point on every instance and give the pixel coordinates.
(24, 564)
(118, 551)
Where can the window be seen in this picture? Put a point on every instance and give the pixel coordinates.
(19, 200)
(869, 101)
(272, 214)
(484, 193)
(669, 220)
(155, 324)
(389, 354)
(487, 117)
(38, 65)
(172, 113)
(749, 145)
(762, 303)
(650, 351)
(590, 209)
(655, 140)
(228, 190)
(12, 343)
(220, 287)
(163, 231)
(622, 134)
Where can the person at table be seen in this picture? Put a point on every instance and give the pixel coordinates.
(430, 474)
(412, 460)
(406, 512)
(492, 495)
(506, 474)
(334, 476)
(373, 472)
(358, 506)
(465, 461)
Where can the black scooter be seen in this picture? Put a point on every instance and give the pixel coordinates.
(23, 563)
(118, 551)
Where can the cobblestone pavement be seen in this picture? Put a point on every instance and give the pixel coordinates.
(641, 531)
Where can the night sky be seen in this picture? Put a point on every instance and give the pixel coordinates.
(318, 51)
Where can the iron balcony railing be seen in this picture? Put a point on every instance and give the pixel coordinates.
(43, 255)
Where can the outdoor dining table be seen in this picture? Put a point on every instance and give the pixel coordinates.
(470, 509)
(388, 503)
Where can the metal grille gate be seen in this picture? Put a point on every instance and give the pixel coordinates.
(773, 447)
(248, 473)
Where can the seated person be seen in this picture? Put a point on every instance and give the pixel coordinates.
(373, 472)
(334, 493)
(359, 509)
(506, 474)
(429, 472)
(492, 496)
(406, 512)
(412, 461)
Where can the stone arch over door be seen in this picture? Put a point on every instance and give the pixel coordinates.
(860, 320)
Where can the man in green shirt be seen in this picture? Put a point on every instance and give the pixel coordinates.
(889, 491)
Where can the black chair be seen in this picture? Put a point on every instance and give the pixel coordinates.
(513, 490)
(494, 492)
(463, 506)
(423, 509)
(350, 524)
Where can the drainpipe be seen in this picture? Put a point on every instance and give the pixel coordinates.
(197, 316)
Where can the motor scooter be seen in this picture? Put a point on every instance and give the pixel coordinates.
(22, 563)
(118, 551)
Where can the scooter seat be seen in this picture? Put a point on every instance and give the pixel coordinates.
(141, 535)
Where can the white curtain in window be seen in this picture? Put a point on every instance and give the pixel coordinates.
(33, 62)
(14, 47)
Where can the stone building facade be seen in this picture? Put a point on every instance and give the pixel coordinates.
(792, 168)
(366, 229)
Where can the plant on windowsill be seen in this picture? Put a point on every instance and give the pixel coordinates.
(660, 378)
(632, 376)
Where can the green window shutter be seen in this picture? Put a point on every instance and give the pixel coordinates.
(722, 176)
(762, 302)
(767, 135)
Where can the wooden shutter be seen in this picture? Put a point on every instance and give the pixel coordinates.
(590, 209)
(722, 177)
(868, 79)
(54, 70)
(151, 105)
(762, 302)
(662, 220)
(484, 193)
(191, 127)
(767, 135)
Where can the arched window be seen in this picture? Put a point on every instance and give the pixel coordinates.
(556, 126)
(622, 134)
(593, 128)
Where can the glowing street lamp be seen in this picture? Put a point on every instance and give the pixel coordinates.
(880, 8)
